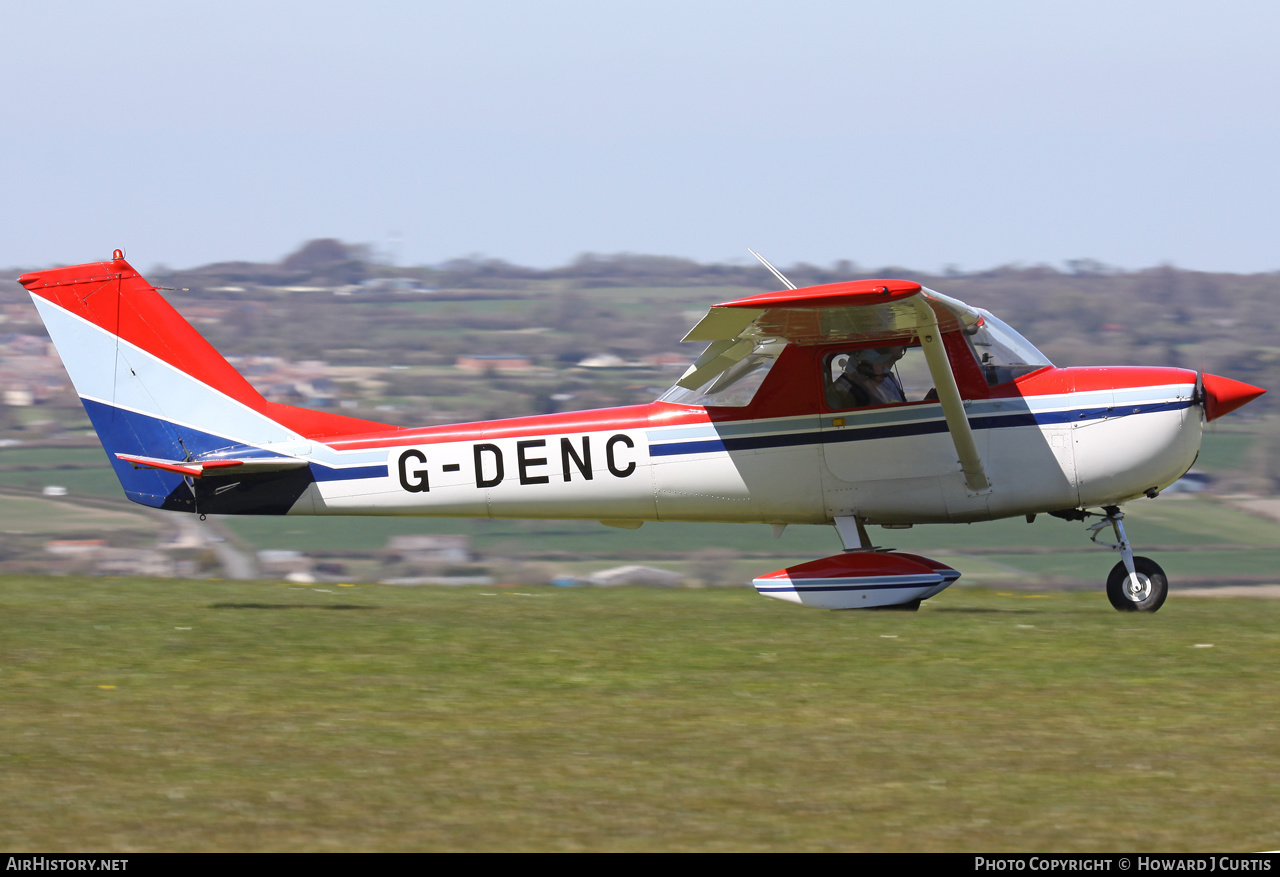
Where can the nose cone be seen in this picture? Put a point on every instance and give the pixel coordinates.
(1223, 395)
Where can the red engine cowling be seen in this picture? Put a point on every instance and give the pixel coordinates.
(858, 580)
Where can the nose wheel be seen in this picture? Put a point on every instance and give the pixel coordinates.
(1136, 584)
(1142, 591)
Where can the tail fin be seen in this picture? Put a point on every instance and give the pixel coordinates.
(153, 387)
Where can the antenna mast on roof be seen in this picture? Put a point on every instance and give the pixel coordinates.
(776, 273)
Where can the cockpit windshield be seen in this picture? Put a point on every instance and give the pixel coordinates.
(734, 387)
(1002, 353)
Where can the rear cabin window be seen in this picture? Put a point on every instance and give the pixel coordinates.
(734, 387)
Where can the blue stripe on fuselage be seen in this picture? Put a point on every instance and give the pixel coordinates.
(899, 430)
(128, 432)
(354, 473)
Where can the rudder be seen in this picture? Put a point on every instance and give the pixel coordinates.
(153, 386)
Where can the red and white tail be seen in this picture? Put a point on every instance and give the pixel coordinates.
(154, 388)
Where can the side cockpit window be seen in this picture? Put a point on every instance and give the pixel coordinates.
(868, 376)
(1001, 352)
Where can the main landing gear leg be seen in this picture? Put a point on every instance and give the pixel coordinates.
(1136, 584)
(853, 534)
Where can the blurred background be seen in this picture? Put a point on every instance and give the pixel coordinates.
(421, 213)
(426, 212)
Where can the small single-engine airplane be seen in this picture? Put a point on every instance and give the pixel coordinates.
(847, 404)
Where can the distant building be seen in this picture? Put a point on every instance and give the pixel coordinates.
(74, 546)
(497, 361)
(133, 562)
(280, 380)
(205, 314)
(389, 284)
(667, 360)
(290, 565)
(104, 560)
(431, 549)
(27, 345)
(30, 371)
(633, 574)
(1191, 482)
(603, 360)
(19, 397)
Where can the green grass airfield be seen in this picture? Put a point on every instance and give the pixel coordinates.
(186, 715)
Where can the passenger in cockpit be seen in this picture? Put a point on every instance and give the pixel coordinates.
(867, 378)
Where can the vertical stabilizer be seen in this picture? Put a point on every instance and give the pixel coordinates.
(153, 386)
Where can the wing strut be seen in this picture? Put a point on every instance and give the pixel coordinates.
(975, 476)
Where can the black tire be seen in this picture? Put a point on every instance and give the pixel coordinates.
(1156, 586)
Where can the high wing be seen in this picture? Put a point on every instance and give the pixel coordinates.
(856, 311)
(860, 311)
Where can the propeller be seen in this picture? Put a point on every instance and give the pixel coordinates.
(1219, 395)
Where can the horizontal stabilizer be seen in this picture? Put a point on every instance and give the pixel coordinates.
(211, 468)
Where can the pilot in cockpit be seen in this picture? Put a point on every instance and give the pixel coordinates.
(867, 378)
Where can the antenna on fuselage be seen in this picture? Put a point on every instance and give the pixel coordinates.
(776, 273)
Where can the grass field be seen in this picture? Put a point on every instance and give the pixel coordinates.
(23, 514)
(179, 715)
(1229, 542)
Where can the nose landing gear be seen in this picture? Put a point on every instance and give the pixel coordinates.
(1136, 584)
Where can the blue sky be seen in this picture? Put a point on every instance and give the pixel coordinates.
(918, 134)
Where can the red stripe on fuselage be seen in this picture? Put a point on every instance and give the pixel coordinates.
(1091, 379)
(598, 420)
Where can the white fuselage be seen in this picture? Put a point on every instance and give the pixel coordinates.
(887, 465)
